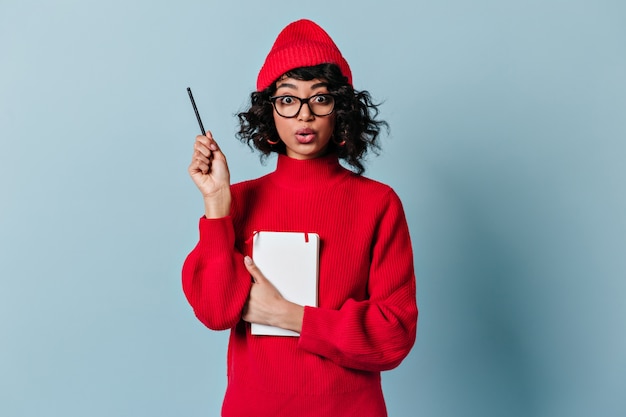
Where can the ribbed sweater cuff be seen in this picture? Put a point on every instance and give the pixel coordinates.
(217, 235)
(315, 328)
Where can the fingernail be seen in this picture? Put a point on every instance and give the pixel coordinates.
(247, 260)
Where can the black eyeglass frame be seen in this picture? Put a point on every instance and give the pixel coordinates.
(302, 102)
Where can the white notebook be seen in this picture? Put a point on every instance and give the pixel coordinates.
(290, 261)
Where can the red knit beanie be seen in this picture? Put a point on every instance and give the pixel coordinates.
(300, 44)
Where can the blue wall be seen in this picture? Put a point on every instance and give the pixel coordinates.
(507, 147)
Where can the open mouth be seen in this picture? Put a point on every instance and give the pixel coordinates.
(305, 135)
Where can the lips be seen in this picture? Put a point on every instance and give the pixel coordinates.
(305, 135)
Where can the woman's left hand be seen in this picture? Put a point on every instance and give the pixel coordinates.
(267, 306)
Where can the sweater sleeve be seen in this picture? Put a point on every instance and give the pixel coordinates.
(214, 277)
(374, 334)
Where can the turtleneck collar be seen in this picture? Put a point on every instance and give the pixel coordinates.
(317, 172)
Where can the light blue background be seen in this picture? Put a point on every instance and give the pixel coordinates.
(507, 147)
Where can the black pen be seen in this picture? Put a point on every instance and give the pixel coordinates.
(195, 109)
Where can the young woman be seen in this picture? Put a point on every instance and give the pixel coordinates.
(306, 110)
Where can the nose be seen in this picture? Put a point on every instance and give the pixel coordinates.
(305, 112)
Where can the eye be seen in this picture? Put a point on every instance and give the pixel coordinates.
(321, 98)
(287, 100)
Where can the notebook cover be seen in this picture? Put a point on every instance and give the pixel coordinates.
(291, 264)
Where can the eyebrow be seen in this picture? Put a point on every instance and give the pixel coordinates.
(292, 86)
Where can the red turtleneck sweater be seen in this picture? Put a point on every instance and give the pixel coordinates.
(367, 314)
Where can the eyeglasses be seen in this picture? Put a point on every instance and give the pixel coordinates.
(289, 106)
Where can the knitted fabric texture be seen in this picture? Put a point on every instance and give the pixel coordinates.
(366, 319)
(300, 44)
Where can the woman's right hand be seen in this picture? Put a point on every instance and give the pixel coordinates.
(209, 171)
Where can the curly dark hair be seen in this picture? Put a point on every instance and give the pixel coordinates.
(355, 118)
